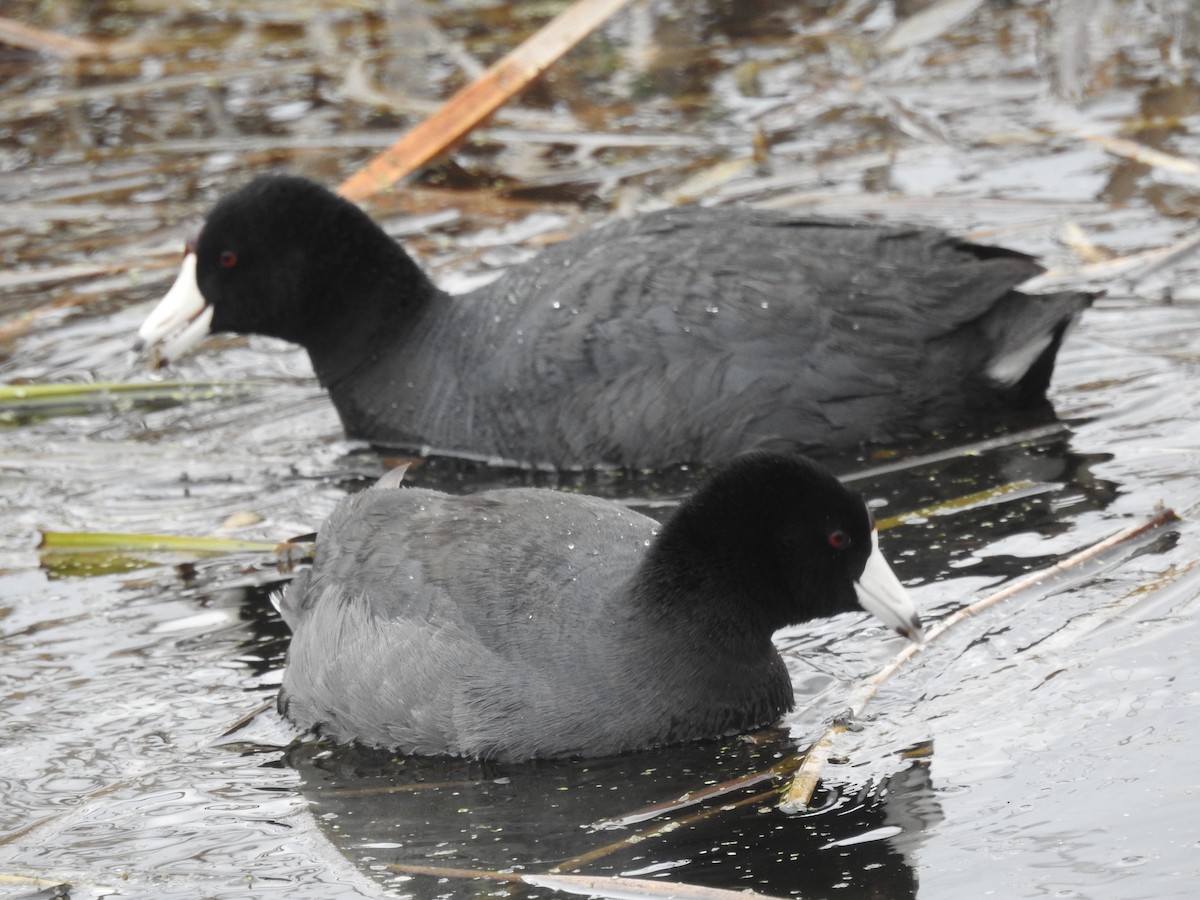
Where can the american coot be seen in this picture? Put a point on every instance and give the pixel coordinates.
(526, 622)
(685, 335)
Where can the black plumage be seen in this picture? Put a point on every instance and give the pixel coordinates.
(686, 335)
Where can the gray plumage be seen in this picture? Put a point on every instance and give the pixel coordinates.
(527, 622)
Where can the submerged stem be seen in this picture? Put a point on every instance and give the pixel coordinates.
(803, 785)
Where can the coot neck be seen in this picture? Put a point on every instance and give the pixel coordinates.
(365, 300)
(722, 672)
(719, 593)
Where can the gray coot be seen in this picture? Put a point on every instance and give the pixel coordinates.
(526, 622)
(686, 335)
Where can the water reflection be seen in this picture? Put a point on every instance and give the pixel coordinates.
(1063, 486)
(403, 817)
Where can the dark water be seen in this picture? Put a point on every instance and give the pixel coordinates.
(1042, 749)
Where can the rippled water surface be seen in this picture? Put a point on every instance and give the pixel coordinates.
(1043, 748)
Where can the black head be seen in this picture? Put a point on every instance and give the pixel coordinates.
(284, 257)
(776, 540)
(269, 255)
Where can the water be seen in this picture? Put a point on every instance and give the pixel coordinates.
(1039, 749)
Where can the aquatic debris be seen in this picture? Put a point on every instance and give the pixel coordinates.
(479, 99)
(799, 792)
(63, 46)
(619, 887)
(88, 554)
(928, 24)
(1140, 153)
(17, 400)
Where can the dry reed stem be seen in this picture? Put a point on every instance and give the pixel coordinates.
(800, 791)
(479, 99)
(18, 34)
(1128, 149)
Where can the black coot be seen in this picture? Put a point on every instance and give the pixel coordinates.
(686, 335)
(527, 622)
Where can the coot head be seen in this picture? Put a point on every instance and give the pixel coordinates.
(279, 257)
(786, 531)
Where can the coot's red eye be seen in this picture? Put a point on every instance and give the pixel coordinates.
(839, 540)
(227, 259)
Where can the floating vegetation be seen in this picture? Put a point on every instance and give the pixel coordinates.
(800, 790)
(83, 554)
(21, 404)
